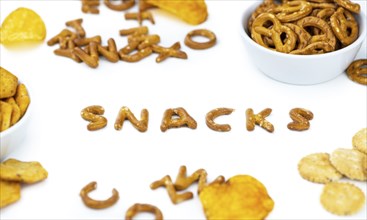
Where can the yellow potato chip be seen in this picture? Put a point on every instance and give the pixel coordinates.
(22, 25)
(241, 197)
(9, 192)
(26, 172)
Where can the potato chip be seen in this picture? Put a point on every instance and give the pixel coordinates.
(8, 83)
(22, 25)
(25, 172)
(241, 197)
(9, 192)
(22, 98)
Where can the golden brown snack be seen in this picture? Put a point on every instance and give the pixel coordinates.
(140, 16)
(77, 25)
(359, 140)
(126, 114)
(258, 119)
(8, 83)
(302, 35)
(62, 38)
(347, 4)
(357, 71)
(193, 12)
(16, 113)
(90, 6)
(93, 114)
(212, 39)
(141, 30)
(318, 168)
(110, 53)
(25, 172)
(97, 204)
(342, 198)
(301, 119)
(344, 26)
(241, 197)
(123, 5)
(141, 54)
(138, 208)
(172, 51)
(22, 98)
(9, 192)
(292, 10)
(91, 58)
(6, 110)
(184, 119)
(210, 116)
(350, 162)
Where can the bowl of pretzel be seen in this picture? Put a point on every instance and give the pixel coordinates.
(303, 42)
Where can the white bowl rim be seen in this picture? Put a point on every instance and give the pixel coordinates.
(360, 39)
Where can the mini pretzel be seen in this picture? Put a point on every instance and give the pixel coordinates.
(292, 11)
(85, 41)
(97, 204)
(124, 5)
(144, 40)
(141, 54)
(210, 116)
(90, 6)
(347, 4)
(174, 196)
(68, 52)
(302, 35)
(357, 71)
(93, 114)
(344, 26)
(212, 39)
(301, 118)
(137, 208)
(134, 31)
(77, 25)
(91, 58)
(258, 119)
(61, 37)
(110, 53)
(314, 48)
(126, 114)
(184, 119)
(164, 53)
(140, 16)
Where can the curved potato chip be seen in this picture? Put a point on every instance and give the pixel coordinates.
(9, 192)
(22, 25)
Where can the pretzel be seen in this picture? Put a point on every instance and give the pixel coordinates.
(212, 39)
(130, 47)
(90, 6)
(144, 40)
(274, 32)
(91, 58)
(126, 114)
(62, 37)
(77, 25)
(137, 208)
(184, 119)
(110, 53)
(322, 5)
(265, 6)
(93, 114)
(357, 71)
(124, 5)
(68, 52)
(344, 26)
(314, 48)
(174, 196)
(292, 11)
(141, 54)
(301, 118)
(164, 53)
(347, 4)
(258, 119)
(85, 41)
(97, 204)
(302, 35)
(134, 31)
(140, 16)
(210, 116)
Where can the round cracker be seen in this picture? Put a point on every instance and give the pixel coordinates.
(26, 172)
(342, 198)
(317, 168)
(359, 140)
(9, 192)
(350, 162)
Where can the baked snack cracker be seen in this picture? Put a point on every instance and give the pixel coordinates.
(359, 140)
(9, 192)
(350, 163)
(342, 198)
(318, 168)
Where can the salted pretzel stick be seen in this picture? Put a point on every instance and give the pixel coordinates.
(124, 5)
(301, 118)
(134, 31)
(347, 4)
(62, 36)
(172, 51)
(77, 25)
(85, 41)
(138, 208)
(210, 116)
(110, 53)
(141, 54)
(93, 114)
(144, 40)
(91, 58)
(126, 114)
(97, 204)
(258, 119)
(140, 16)
(184, 119)
(68, 52)
(90, 6)
(174, 196)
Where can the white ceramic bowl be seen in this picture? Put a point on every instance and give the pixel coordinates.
(301, 69)
(12, 138)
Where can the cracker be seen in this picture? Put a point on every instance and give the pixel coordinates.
(359, 140)
(318, 168)
(342, 198)
(9, 192)
(25, 172)
(8, 83)
(350, 163)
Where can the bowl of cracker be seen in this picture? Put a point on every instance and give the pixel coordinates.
(14, 112)
(303, 42)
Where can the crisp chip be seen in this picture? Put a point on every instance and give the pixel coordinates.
(22, 25)
(9, 192)
(241, 197)
(8, 83)
(25, 172)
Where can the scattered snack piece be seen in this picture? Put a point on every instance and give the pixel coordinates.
(9, 192)
(184, 119)
(22, 26)
(212, 39)
(97, 204)
(359, 140)
(19, 171)
(140, 16)
(77, 25)
(350, 162)
(138, 208)
(357, 71)
(258, 119)
(210, 116)
(241, 197)
(126, 114)
(342, 198)
(90, 6)
(93, 114)
(164, 53)
(124, 4)
(301, 119)
(318, 168)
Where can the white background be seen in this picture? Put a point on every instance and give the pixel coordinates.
(128, 160)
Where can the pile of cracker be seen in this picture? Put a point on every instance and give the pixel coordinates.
(340, 198)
